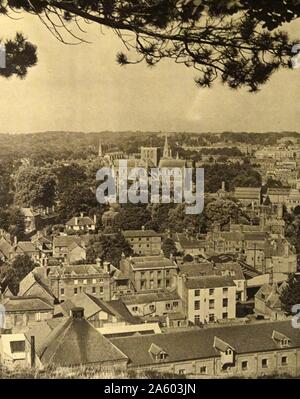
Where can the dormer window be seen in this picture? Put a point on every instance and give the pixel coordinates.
(228, 352)
(282, 340)
(157, 353)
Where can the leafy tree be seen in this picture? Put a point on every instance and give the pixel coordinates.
(34, 187)
(133, 216)
(16, 223)
(20, 53)
(6, 196)
(12, 275)
(290, 295)
(272, 183)
(179, 220)
(236, 40)
(9, 278)
(169, 247)
(108, 248)
(79, 198)
(69, 175)
(221, 212)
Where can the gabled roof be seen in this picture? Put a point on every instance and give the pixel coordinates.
(26, 246)
(199, 344)
(80, 221)
(76, 342)
(6, 248)
(121, 310)
(221, 345)
(26, 304)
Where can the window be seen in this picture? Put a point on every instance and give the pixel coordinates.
(175, 304)
(152, 308)
(84, 281)
(168, 306)
(203, 370)
(197, 305)
(94, 281)
(284, 360)
(75, 282)
(225, 291)
(264, 363)
(225, 303)
(211, 291)
(101, 290)
(168, 283)
(94, 290)
(75, 291)
(135, 309)
(181, 371)
(162, 356)
(245, 365)
(17, 346)
(197, 319)
(62, 291)
(211, 304)
(211, 317)
(197, 292)
(158, 283)
(225, 315)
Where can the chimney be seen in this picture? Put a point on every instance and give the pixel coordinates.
(32, 351)
(98, 262)
(81, 214)
(76, 220)
(143, 228)
(95, 219)
(15, 240)
(223, 186)
(106, 267)
(77, 313)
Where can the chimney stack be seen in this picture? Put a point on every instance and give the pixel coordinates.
(32, 351)
(95, 219)
(77, 313)
(106, 267)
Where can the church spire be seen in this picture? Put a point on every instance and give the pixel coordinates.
(167, 151)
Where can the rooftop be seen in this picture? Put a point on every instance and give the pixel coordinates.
(199, 344)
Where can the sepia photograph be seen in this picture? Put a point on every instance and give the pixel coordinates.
(149, 192)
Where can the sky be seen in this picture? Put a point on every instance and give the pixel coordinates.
(82, 88)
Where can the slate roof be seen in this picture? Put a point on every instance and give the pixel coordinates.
(209, 282)
(199, 344)
(26, 246)
(140, 233)
(75, 342)
(81, 221)
(247, 192)
(6, 248)
(120, 309)
(151, 262)
(150, 297)
(26, 304)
